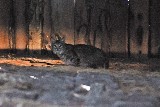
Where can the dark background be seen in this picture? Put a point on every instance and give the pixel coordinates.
(121, 28)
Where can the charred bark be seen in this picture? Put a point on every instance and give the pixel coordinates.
(41, 20)
(11, 28)
(149, 35)
(128, 31)
(28, 19)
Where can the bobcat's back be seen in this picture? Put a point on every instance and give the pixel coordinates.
(90, 56)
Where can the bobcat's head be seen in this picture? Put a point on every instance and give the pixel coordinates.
(58, 45)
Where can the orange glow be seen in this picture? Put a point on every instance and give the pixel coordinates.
(34, 39)
(4, 43)
(31, 62)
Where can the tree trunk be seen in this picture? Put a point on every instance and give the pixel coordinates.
(5, 6)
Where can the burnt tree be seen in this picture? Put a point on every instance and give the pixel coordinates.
(119, 27)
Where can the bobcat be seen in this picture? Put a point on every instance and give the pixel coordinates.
(80, 54)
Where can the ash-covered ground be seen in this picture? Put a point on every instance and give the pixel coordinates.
(35, 82)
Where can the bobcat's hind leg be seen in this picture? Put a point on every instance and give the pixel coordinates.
(75, 61)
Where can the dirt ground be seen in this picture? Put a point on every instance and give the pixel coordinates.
(44, 80)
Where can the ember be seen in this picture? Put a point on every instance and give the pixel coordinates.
(30, 62)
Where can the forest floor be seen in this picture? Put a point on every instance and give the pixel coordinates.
(39, 82)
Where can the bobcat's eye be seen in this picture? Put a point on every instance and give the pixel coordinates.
(54, 46)
(60, 46)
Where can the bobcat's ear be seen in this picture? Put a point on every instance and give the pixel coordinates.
(62, 39)
(57, 36)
